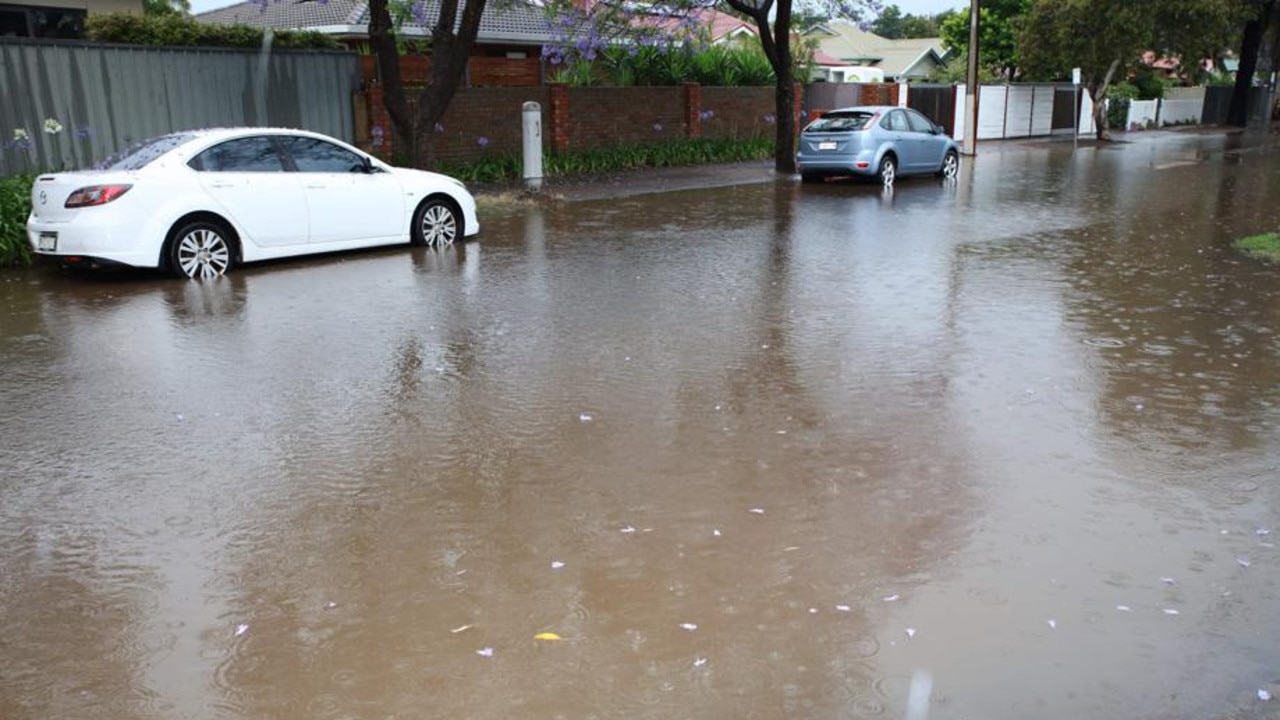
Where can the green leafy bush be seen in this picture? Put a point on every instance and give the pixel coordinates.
(180, 30)
(1265, 246)
(15, 206)
(696, 151)
(732, 65)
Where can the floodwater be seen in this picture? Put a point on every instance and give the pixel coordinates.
(1004, 448)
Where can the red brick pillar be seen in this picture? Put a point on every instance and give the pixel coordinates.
(558, 116)
(692, 108)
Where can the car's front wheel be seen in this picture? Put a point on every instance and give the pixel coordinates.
(436, 222)
(888, 171)
(202, 250)
(950, 165)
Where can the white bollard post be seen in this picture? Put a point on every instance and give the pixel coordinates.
(532, 113)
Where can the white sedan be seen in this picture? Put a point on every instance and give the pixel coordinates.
(199, 202)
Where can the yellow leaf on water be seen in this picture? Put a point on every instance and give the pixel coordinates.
(547, 636)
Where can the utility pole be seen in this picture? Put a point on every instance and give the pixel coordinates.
(972, 88)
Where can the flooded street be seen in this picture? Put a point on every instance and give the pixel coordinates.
(1006, 448)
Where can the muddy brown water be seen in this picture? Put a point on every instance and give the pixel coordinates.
(1004, 448)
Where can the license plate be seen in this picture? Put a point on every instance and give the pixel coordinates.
(47, 242)
(826, 146)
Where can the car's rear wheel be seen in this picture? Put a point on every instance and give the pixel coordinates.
(888, 170)
(811, 178)
(950, 165)
(436, 222)
(201, 250)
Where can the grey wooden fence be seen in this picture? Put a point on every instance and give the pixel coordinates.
(107, 97)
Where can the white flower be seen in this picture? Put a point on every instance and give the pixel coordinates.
(19, 134)
(52, 126)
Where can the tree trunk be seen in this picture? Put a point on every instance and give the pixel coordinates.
(383, 41)
(1098, 94)
(776, 43)
(449, 54)
(1250, 44)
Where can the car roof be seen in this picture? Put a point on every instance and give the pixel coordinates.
(864, 108)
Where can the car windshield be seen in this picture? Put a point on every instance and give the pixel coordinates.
(139, 155)
(841, 121)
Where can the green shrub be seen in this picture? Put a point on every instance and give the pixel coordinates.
(180, 30)
(731, 65)
(697, 151)
(1265, 246)
(15, 206)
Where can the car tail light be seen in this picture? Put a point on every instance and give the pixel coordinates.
(96, 195)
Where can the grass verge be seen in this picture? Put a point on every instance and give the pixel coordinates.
(1264, 247)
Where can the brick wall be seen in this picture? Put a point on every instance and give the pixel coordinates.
(579, 118)
(738, 112)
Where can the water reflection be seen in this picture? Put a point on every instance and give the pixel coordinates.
(759, 451)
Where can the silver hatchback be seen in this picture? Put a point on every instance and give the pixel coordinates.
(875, 141)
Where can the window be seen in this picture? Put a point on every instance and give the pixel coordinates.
(251, 154)
(896, 121)
(840, 122)
(139, 156)
(312, 155)
(919, 123)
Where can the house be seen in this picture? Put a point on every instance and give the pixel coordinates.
(719, 27)
(843, 47)
(516, 30)
(57, 18)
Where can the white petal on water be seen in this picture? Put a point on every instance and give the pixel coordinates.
(1224, 532)
(1243, 562)
(585, 417)
(699, 662)
(1171, 611)
(813, 611)
(1262, 531)
(1266, 544)
(844, 608)
(791, 548)
(627, 529)
(463, 628)
(757, 511)
(1264, 695)
(1053, 624)
(892, 598)
(715, 532)
(911, 632)
(241, 629)
(1124, 608)
(689, 626)
(485, 652)
(1168, 580)
(556, 564)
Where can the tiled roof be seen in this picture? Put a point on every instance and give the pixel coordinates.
(850, 44)
(514, 22)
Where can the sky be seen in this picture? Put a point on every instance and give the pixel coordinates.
(908, 7)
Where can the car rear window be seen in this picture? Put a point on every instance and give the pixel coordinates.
(142, 154)
(840, 122)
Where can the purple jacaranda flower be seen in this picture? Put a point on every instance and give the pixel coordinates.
(706, 115)
(84, 132)
(439, 129)
(377, 135)
(483, 142)
(770, 118)
(657, 127)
